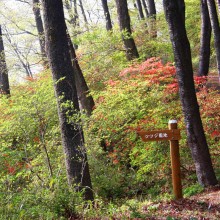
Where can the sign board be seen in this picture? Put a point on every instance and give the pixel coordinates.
(161, 135)
(172, 135)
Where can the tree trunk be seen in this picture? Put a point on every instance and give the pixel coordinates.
(145, 8)
(86, 102)
(181, 5)
(151, 8)
(152, 16)
(205, 39)
(216, 30)
(40, 30)
(218, 2)
(4, 82)
(195, 133)
(125, 27)
(66, 94)
(140, 9)
(84, 14)
(73, 16)
(107, 15)
(76, 16)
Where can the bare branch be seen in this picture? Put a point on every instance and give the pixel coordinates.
(27, 2)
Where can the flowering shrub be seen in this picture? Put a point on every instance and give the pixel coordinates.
(209, 102)
(144, 97)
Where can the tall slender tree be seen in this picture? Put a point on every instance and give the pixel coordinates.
(152, 16)
(71, 6)
(86, 102)
(40, 29)
(204, 56)
(85, 99)
(195, 132)
(4, 82)
(216, 30)
(73, 16)
(76, 15)
(84, 14)
(145, 8)
(66, 94)
(107, 15)
(68, 6)
(125, 27)
(140, 9)
(151, 8)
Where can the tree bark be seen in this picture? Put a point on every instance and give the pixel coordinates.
(66, 94)
(151, 8)
(40, 30)
(152, 16)
(4, 82)
(125, 28)
(181, 5)
(216, 30)
(205, 39)
(107, 15)
(140, 9)
(218, 2)
(145, 8)
(195, 133)
(86, 102)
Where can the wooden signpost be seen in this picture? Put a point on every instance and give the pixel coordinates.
(173, 135)
(162, 135)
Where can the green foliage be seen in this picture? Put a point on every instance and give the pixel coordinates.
(103, 56)
(29, 127)
(136, 101)
(154, 47)
(33, 183)
(145, 97)
(193, 28)
(134, 209)
(193, 21)
(192, 190)
(39, 202)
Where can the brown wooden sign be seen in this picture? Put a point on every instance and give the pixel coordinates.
(161, 135)
(172, 135)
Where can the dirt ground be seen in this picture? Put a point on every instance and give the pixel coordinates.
(204, 206)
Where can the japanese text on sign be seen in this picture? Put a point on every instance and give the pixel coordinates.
(160, 135)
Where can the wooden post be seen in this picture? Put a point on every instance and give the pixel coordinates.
(175, 163)
(173, 135)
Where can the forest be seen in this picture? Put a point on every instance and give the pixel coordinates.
(109, 109)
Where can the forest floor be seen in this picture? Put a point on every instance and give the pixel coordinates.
(213, 81)
(204, 206)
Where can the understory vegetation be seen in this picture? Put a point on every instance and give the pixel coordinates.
(126, 172)
(145, 96)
